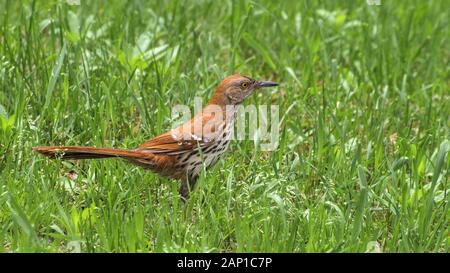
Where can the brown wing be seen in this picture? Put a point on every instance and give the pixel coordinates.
(188, 136)
(171, 144)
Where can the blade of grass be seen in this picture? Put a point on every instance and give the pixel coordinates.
(54, 77)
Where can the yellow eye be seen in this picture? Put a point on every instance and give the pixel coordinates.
(244, 85)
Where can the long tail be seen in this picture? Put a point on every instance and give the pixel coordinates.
(79, 152)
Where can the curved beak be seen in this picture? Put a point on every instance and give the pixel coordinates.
(265, 84)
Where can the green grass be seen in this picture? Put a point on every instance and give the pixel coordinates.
(352, 76)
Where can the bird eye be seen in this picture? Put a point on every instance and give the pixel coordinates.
(244, 85)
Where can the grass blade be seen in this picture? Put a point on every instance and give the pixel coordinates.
(54, 77)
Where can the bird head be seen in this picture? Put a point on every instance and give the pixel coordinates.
(236, 88)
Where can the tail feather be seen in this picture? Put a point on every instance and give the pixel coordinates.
(79, 152)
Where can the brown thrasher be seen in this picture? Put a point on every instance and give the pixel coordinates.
(180, 153)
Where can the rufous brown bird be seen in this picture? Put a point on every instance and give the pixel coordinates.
(182, 152)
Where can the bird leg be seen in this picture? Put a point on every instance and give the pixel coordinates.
(187, 185)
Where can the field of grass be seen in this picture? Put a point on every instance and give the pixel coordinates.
(362, 163)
